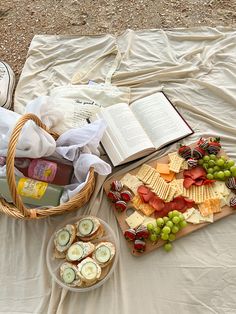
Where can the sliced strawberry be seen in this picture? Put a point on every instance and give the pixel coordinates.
(197, 172)
(188, 182)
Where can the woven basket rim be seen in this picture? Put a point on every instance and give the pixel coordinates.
(17, 209)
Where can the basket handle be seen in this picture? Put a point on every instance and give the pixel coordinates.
(11, 156)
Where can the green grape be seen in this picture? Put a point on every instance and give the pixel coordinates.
(210, 170)
(211, 163)
(165, 236)
(220, 162)
(233, 171)
(227, 173)
(175, 213)
(230, 163)
(169, 224)
(165, 219)
(170, 214)
(157, 230)
(221, 175)
(168, 247)
(181, 217)
(205, 165)
(216, 168)
(153, 237)
(210, 176)
(160, 222)
(212, 157)
(215, 175)
(183, 224)
(171, 237)
(200, 162)
(175, 229)
(206, 158)
(166, 230)
(150, 227)
(176, 220)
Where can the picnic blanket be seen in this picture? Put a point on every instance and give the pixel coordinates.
(196, 69)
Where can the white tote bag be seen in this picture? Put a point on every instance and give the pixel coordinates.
(80, 101)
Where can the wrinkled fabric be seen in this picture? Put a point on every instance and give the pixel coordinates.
(196, 69)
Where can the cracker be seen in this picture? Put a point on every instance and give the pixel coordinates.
(146, 209)
(171, 193)
(153, 181)
(167, 192)
(179, 186)
(136, 201)
(149, 180)
(148, 175)
(210, 206)
(131, 182)
(184, 165)
(172, 156)
(143, 171)
(176, 163)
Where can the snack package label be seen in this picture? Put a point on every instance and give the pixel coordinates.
(44, 170)
(31, 188)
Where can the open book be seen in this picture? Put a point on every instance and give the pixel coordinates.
(135, 131)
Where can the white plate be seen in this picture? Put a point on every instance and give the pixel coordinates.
(54, 264)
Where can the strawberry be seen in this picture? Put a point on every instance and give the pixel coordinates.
(192, 162)
(231, 183)
(198, 152)
(184, 151)
(232, 202)
(130, 234)
(139, 245)
(142, 233)
(203, 143)
(214, 146)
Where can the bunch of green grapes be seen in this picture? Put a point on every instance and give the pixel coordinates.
(218, 168)
(166, 228)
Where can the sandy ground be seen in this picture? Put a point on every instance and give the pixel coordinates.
(20, 20)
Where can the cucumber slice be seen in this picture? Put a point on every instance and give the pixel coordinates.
(68, 275)
(85, 226)
(89, 271)
(75, 252)
(103, 254)
(63, 237)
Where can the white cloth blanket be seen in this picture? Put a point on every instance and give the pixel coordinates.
(196, 69)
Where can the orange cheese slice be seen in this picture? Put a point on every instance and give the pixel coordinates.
(163, 168)
(168, 177)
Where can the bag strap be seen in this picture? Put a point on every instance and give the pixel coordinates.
(82, 73)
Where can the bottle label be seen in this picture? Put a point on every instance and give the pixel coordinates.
(44, 170)
(31, 188)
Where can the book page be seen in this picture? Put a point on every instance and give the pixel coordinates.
(124, 132)
(160, 120)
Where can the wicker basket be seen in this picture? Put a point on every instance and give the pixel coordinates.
(17, 209)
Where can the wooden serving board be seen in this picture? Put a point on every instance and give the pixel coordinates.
(121, 216)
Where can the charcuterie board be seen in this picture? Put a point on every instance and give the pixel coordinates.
(130, 208)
